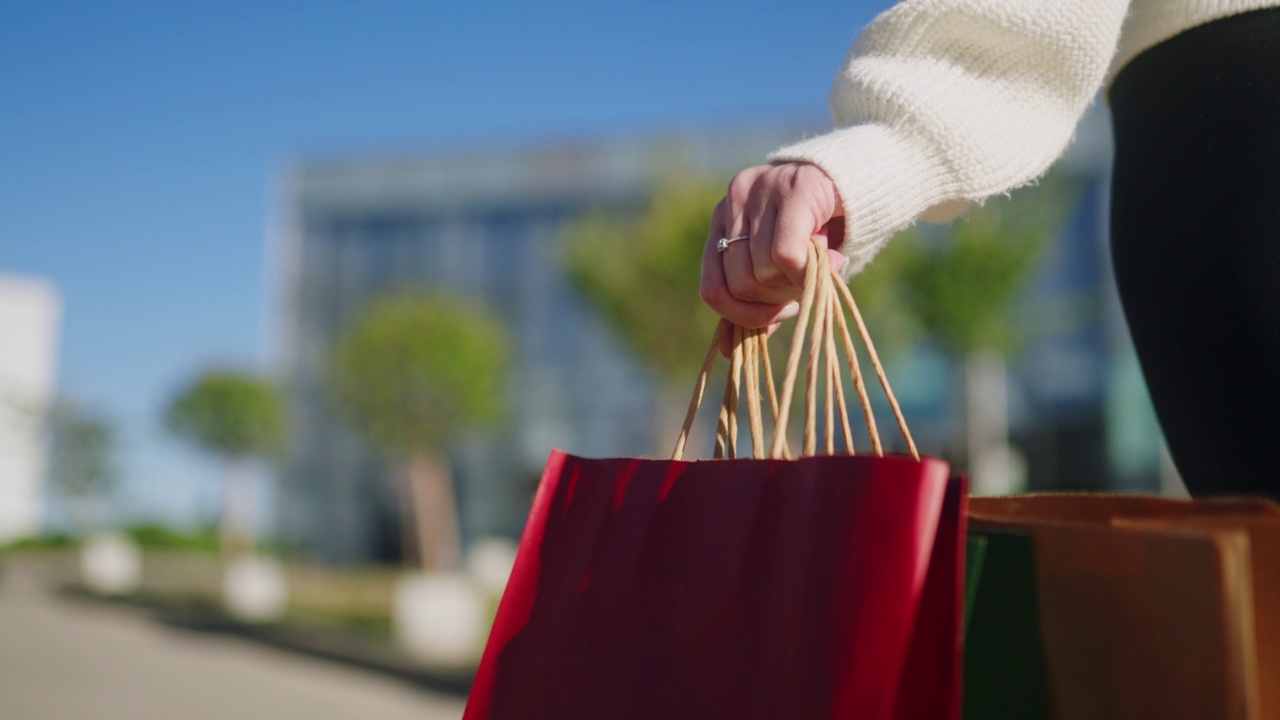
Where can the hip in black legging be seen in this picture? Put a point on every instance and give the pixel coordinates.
(1195, 238)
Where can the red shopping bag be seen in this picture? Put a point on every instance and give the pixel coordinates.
(822, 587)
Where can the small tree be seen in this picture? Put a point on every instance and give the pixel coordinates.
(641, 273)
(411, 373)
(83, 461)
(963, 289)
(234, 416)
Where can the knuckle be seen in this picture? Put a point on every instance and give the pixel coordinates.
(710, 294)
(740, 188)
(791, 258)
(800, 183)
(793, 175)
(744, 291)
(766, 275)
(787, 185)
(722, 209)
(805, 172)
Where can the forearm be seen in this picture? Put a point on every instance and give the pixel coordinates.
(945, 102)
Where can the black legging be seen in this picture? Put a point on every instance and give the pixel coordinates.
(1195, 238)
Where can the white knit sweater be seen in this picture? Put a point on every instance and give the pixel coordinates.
(942, 103)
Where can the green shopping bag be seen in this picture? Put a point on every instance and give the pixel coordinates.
(975, 553)
(1004, 676)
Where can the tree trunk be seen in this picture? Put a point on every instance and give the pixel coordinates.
(995, 468)
(84, 514)
(410, 552)
(236, 525)
(435, 513)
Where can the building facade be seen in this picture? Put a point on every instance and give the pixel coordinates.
(30, 312)
(485, 225)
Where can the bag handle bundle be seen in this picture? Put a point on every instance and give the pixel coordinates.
(820, 319)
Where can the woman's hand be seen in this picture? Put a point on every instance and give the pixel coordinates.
(755, 282)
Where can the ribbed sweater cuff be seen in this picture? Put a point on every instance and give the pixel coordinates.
(886, 178)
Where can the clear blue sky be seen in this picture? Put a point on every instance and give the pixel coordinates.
(138, 141)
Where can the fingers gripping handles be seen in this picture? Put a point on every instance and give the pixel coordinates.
(820, 322)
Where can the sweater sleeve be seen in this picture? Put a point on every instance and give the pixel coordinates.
(942, 103)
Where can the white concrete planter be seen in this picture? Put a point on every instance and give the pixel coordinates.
(489, 563)
(110, 564)
(441, 619)
(999, 469)
(255, 589)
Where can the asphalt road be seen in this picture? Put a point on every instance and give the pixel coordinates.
(61, 659)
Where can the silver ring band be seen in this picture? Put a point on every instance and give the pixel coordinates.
(723, 243)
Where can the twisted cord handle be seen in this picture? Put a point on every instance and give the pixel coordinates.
(820, 320)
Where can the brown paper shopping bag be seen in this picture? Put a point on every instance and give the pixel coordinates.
(1153, 607)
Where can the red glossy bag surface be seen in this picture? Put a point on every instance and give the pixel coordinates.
(732, 589)
(823, 587)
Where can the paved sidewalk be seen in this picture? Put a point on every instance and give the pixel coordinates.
(62, 659)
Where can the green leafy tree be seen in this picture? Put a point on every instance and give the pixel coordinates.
(235, 416)
(83, 465)
(962, 289)
(410, 373)
(641, 273)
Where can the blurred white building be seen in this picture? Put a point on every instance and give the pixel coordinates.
(29, 318)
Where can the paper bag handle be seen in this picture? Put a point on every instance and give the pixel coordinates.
(820, 302)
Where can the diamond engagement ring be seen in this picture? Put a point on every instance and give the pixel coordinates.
(723, 243)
